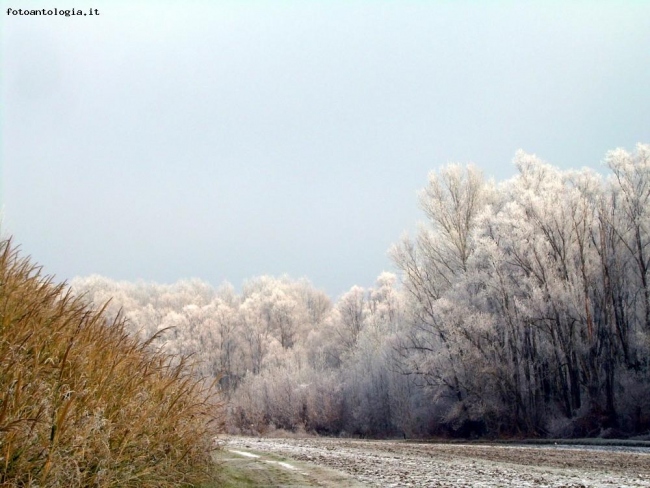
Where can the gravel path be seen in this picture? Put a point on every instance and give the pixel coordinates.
(393, 464)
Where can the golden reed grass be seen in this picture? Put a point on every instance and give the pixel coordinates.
(82, 403)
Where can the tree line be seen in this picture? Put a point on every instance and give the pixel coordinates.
(518, 308)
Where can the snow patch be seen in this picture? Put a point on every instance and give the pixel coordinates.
(242, 453)
(284, 465)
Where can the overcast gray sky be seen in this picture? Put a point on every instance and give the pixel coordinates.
(226, 140)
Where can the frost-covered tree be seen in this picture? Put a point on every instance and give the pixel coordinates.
(519, 308)
(631, 200)
(545, 317)
(351, 308)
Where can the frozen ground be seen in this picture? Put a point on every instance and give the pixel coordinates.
(393, 464)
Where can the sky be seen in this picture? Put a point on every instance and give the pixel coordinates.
(227, 140)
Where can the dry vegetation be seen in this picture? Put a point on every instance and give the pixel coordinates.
(84, 404)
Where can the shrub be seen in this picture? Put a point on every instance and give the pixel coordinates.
(82, 403)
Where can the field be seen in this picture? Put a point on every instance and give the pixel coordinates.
(352, 463)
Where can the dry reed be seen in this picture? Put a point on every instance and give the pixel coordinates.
(82, 403)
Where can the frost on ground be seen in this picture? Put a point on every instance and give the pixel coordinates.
(243, 453)
(393, 464)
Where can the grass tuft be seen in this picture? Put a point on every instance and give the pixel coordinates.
(82, 403)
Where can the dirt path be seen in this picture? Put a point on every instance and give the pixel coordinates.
(247, 467)
(393, 464)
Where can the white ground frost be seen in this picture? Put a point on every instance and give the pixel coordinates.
(397, 464)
